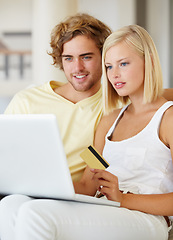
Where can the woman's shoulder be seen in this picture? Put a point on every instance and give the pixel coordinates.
(102, 129)
(166, 126)
(168, 114)
(108, 119)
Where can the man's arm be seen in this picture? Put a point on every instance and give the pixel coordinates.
(168, 94)
(18, 105)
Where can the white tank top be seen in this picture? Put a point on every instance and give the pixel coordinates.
(142, 163)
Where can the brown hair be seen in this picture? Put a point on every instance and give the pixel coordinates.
(79, 24)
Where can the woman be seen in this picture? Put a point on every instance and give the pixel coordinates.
(139, 144)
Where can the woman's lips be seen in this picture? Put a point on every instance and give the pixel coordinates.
(119, 85)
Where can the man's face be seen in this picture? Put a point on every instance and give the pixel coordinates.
(82, 64)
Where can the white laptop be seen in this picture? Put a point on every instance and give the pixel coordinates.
(33, 162)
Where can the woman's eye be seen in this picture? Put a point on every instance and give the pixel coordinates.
(108, 67)
(123, 64)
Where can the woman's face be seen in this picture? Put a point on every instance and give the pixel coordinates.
(125, 70)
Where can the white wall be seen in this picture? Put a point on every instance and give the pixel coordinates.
(15, 15)
(158, 25)
(46, 14)
(115, 13)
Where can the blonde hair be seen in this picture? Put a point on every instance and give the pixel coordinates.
(79, 24)
(140, 40)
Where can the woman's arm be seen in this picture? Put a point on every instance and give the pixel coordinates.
(156, 204)
(87, 185)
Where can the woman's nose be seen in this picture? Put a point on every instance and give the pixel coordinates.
(116, 72)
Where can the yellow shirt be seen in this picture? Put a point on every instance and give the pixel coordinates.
(77, 122)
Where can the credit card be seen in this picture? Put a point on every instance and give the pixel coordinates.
(93, 158)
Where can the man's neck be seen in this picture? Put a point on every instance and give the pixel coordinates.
(68, 92)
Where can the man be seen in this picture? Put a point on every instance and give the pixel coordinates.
(76, 49)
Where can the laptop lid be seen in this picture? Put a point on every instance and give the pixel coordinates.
(32, 158)
(33, 161)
